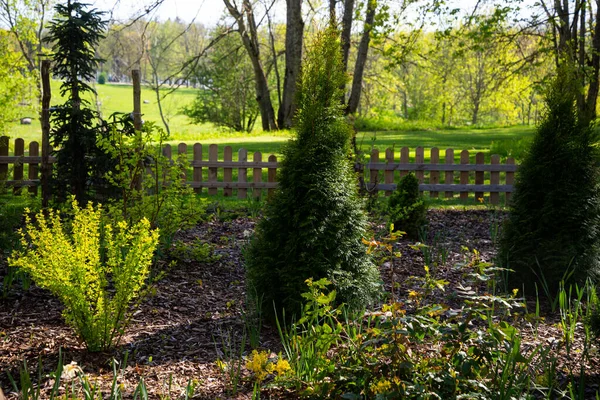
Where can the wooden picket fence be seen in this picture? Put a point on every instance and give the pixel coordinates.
(435, 177)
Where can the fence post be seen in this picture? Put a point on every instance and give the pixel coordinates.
(404, 159)
(272, 175)
(137, 99)
(510, 178)
(242, 173)
(449, 175)
(464, 175)
(257, 175)
(389, 173)
(198, 169)
(434, 176)
(213, 156)
(167, 153)
(374, 173)
(228, 171)
(3, 152)
(45, 122)
(495, 180)
(18, 166)
(34, 151)
(479, 160)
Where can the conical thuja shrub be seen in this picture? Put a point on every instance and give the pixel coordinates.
(314, 225)
(552, 233)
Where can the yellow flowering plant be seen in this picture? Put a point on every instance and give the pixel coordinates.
(95, 269)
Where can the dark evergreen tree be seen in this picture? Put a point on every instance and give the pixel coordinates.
(74, 33)
(314, 224)
(406, 207)
(553, 228)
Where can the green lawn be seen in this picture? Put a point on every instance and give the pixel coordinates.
(117, 97)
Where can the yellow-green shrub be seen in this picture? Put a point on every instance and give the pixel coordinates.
(96, 270)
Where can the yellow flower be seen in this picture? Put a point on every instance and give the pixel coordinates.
(480, 199)
(383, 386)
(282, 367)
(514, 292)
(258, 363)
(412, 294)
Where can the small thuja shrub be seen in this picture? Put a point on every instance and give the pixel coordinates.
(552, 233)
(96, 270)
(406, 207)
(314, 224)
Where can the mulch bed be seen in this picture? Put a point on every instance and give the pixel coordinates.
(194, 315)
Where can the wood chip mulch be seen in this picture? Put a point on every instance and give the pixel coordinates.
(194, 317)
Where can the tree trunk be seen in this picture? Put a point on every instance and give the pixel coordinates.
(361, 59)
(249, 36)
(293, 61)
(346, 31)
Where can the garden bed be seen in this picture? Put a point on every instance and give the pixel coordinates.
(193, 320)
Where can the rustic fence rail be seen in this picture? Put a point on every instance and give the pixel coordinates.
(435, 177)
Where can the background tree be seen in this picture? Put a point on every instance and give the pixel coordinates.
(74, 33)
(315, 222)
(226, 94)
(552, 232)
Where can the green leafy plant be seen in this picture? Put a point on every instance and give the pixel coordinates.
(315, 222)
(148, 184)
(96, 270)
(406, 207)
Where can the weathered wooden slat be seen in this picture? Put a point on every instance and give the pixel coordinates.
(3, 156)
(434, 176)
(427, 187)
(272, 174)
(18, 167)
(213, 155)
(242, 173)
(389, 174)
(449, 175)
(495, 180)
(420, 160)
(257, 175)
(182, 154)
(479, 160)
(404, 161)
(464, 175)
(235, 164)
(235, 185)
(443, 167)
(34, 169)
(374, 174)
(24, 183)
(197, 168)
(228, 171)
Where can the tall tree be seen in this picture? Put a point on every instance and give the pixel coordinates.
(248, 30)
(294, 38)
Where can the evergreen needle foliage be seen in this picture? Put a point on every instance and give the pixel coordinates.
(314, 224)
(406, 207)
(96, 271)
(552, 232)
(74, 34)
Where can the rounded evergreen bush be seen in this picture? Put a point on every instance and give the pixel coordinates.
(406, 207)
(314, 224)
(552, 231)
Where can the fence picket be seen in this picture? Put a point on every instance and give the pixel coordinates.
(272, 174)
(374, 174)
(228, 171)
(495, 180)
(449, 176)
(34, 168)
(197, 178)
(389, 173)
(182, 153)
(213, 155)
(479, 159)
(419, 159)
(3, 152)
(257, 175)
(464, 175)
(404, 159)
(242, 173)
(434, 176)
